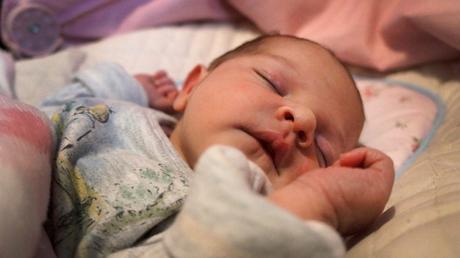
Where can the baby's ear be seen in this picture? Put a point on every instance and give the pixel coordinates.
(193, 79)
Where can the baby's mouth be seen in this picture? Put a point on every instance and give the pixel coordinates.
(269, 150)
(274, 145)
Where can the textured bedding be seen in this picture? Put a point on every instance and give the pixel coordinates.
(422, 215)
(425, 204)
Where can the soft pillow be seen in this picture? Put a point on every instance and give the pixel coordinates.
(401, 118)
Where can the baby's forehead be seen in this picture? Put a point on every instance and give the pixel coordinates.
(302, 54)
(272, 44)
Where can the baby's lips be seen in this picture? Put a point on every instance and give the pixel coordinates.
(281, 148)
(279, 144)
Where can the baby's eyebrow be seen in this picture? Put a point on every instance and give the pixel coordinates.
(281, 60)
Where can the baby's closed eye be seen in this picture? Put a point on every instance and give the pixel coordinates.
(274, 86)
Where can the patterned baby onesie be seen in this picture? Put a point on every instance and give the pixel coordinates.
(116, 174)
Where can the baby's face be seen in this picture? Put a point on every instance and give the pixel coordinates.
(290, 108)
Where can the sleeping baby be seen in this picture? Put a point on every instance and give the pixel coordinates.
(255, 156)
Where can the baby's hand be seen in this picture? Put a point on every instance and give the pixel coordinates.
(348, 195)
(160, 90)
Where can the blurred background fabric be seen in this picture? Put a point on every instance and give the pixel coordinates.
(383, 35)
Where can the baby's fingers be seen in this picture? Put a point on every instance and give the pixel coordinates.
(164, 102)
(366, 158)
(165, 89)
(165, 81)
(352, 159)
(159, 74)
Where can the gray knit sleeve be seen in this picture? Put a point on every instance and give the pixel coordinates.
(224, 217)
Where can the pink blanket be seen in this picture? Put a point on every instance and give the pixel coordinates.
(379, 34)
(26, 146)
(374, 33)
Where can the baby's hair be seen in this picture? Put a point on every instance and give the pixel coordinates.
(249, 47)
(253, 46)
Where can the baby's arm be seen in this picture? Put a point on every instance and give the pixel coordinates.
(348, 195)
(105, 81)
(160, 89)
(111, 81)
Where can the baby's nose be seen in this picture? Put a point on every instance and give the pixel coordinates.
(303, 123)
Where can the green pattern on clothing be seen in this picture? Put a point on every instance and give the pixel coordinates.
(106, 194)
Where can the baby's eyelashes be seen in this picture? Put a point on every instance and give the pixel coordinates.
(274, 86)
